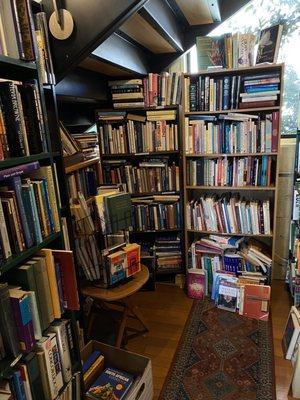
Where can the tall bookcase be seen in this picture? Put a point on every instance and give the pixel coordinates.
(250, 193)
(149, 236)
(19, 70)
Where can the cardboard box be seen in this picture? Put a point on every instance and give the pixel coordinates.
(126, 361)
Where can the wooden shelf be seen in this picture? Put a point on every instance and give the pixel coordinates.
(158, 108)
(81, 165)
(229, 234)
(145, 154)
(90, 200)
(234, 110)
(21, 257)
(225, 71)
(217, 155)
(12, 162)
(232, 188)
(153, 194)
(157, 231)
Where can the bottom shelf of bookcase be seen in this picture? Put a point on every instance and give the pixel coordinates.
(230, 234)
(19, 258)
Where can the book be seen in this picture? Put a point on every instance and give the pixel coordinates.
(112, 382)
(7, 325)
(256, 301)
(116, 268)
(268, 46)
(291, 333)
(196, 283)
(118, 211)
(227, 296)
(132, 259)
(92, 366)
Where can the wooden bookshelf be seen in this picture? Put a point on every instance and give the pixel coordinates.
(81, 165)
(263, 192)
(146, 154)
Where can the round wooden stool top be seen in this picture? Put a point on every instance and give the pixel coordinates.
(120, 292)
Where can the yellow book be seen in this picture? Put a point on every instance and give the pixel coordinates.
(99, 201)
(50, 267)
(37, 185)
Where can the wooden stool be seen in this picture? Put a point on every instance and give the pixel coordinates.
(119, 296)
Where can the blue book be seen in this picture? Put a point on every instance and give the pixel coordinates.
(112, 383)
(226, 92)
(33, 223)
(261, 88)
(90, 361)
(16, 185)
(36, 219)
(18, 385)
(91, 182)
(264, 168)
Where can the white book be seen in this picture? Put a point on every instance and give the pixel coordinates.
(260, 94)
(46, 362)
(56, 361)
(6, 12)
(257, 98)
(25, 380)
(59, 328)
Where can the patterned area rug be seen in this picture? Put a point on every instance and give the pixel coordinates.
(222, 356)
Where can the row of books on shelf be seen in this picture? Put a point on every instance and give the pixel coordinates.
(138, 137)
(39, 291)
(28, 208)
(168, 251)
(155, 90)
(229, 214)
(207, 93)
(22, 129)
(88, 143)
(235, 50)
(45, 373)
(156, 213)
(232, 133)
(233, 273)
(236, 171)
(84, 181)
(150, 176)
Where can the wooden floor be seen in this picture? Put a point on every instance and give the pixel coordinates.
(166, 311)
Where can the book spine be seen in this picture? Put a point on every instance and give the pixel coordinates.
(19, 170)
(226, 92)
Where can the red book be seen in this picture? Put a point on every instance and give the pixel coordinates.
(257, 104)
(256, 301)
(69, 283)
(155, 89)
(275, 131)
(133, 259)
(196, 283)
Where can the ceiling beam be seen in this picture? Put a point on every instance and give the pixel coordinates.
(159, 14)
(95, 21)
(122, 53)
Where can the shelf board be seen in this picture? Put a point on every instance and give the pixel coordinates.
(81, 165)
(232, 188)
(21, 257)
(153, 194)
(89, 200)
(145, 154)
(15, 62)
(157, 231)
(169, 272)
(225, 71)
(157, 108)
(12, 162)
(7, 363)
(217, 155)
(229, 234)
(234, 110)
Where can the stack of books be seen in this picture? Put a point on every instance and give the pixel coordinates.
(156, 213)
(28, 208)
(207, 93)
(261, 90)
(225, 134)
(127, 93)
(22, 130)
(228, 51)
(229, 214)
(169, 254)
(233, 171)
(138, 136)
(83, 180)
(161, 90)
(88, 144)
(150, 176)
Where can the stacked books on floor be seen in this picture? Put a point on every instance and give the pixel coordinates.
(32, 331)
(140, 135)
(153, 175)
(168, 251)
(120, 263)
(229, 214)
(233, 273)
(156, 213)
(233, 171)
(28, 207)
(155, 90)
(83, 180)
(226, 133)
(88, 144)
(207, 93)
(22, 130)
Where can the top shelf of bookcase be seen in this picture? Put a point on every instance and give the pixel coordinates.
(234, 110)
(245, 70)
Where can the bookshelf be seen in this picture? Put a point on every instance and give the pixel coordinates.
(13, 69)
(146, 236)
(212, 106)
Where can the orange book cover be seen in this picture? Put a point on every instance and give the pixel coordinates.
(256, 301)
(133, 259)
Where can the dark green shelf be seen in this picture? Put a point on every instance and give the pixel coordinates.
(14, 62)
(12, 162)
(7, 363)
(19, 258)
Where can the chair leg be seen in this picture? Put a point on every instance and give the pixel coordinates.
(135, 313)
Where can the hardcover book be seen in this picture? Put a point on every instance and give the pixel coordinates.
(196, 283)
(269, 43)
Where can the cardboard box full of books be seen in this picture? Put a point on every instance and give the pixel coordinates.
(131, 363)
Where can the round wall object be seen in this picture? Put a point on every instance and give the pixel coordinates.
(64, 30)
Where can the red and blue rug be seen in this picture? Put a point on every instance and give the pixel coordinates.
(222, 356)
